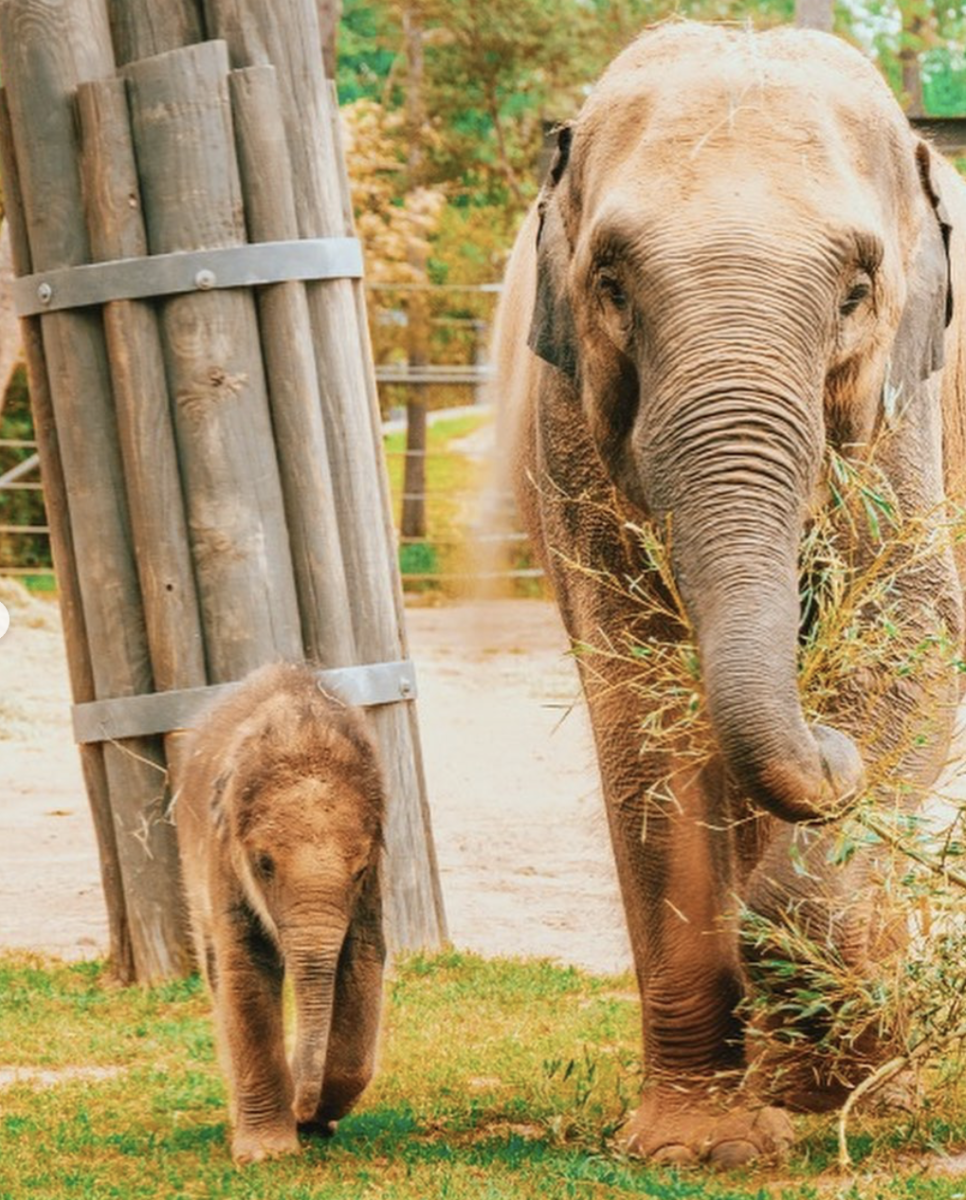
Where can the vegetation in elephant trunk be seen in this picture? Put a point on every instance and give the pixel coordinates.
(730, 455)
(742, 597)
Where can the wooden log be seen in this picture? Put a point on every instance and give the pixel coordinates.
(48, 47)
(159, 27)
(151, 476)
(148, 450)
(191, 197)
(286, 34)
(389, 533)
(68, 587)
(300, 441)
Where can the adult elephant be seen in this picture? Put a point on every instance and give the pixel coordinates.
(742, 255)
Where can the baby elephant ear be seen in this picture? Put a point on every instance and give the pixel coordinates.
(552, 333)
(918, 348)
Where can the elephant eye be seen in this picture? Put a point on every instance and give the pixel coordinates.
(358, 875)
(611, 290)
(265, 866)
(858, 292)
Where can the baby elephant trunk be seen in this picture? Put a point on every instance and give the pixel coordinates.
(314, 977)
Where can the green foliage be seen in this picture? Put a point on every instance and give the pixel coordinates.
(499, 1080)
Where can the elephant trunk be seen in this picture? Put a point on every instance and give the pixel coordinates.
(743, 458)
(749, 666)
(313, 973)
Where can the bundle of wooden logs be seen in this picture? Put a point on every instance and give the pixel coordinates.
(210, 451)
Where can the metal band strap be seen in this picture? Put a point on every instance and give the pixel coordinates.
(163, 712)
(188, 271)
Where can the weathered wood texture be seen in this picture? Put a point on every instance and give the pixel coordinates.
(192, 200)
(48, 47)
(151, 475)
(324, 602)
(221, 456)
(68, 587)
(286, 35)
(140, 30)
(148, 449)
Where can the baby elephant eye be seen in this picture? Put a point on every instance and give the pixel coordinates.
(859, 291)
(358, 875)
(265, 866)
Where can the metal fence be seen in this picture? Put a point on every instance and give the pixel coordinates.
(22, 476)
(475, 542)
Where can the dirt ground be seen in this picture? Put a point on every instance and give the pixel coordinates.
(518, 823)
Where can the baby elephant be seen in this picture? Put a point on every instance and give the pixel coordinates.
(279, 825)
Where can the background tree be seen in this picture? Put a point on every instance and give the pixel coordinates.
(330, 13)
(815, 14)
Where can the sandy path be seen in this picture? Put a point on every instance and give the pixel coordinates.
(519, 828)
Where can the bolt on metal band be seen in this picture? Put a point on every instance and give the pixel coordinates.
(254, 265)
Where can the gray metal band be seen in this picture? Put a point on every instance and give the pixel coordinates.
(188, 271)
(163, 712)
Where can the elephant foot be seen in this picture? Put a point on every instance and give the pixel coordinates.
(679, 1131)
(251, 1145)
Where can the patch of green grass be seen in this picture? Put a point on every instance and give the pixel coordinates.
(499, 1080)
(40, 584)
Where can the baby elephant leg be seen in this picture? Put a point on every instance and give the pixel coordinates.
(249, 1007)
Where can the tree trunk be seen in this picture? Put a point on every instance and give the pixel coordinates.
(10, 349)
(814, 14)
(329, 13)
(914, 29)
(413, 523)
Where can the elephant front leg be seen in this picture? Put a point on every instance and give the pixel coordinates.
(676, 852)
(251, 1037)
(351, 1055)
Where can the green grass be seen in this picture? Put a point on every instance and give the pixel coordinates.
(499, 1079)
(45, 584)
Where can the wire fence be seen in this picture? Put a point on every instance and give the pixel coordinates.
(468, 536)
(470, 539)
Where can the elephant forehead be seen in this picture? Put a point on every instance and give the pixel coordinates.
(689, 99)
(304, 809)
(681, 55)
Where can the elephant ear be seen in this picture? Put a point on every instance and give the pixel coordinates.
(918, 347)
(552, 330)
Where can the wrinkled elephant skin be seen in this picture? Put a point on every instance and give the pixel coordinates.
(740, 250)
(279, 822)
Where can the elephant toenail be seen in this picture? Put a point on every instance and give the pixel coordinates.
(732, 1154)
(675, 1154)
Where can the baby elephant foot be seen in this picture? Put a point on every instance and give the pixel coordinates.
(251, 1145)
(674, 1131)
(319, 1127)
